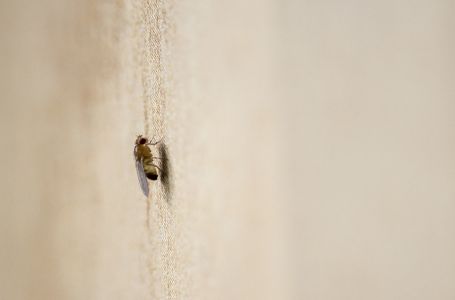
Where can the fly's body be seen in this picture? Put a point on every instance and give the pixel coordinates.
(144, 154)
(144, 162)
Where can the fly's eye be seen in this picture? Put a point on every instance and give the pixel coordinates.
(142, 141)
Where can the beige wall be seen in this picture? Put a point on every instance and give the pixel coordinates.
(310, 149)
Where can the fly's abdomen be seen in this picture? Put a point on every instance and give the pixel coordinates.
(149, 169)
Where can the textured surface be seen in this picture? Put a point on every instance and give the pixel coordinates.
(309, 143)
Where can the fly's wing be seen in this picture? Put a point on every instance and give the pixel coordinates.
(142, 178)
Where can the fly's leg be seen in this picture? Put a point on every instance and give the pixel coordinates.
(154, 143)
(157, 167)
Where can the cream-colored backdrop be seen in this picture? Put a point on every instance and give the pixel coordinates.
(309, 142)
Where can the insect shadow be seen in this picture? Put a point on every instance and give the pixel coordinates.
(165, 170)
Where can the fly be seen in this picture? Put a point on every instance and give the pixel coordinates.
(145, 167)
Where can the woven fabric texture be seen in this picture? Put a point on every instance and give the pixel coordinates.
(307, 148)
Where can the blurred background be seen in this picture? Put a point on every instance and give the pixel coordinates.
(310, 149)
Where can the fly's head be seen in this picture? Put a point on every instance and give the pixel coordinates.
(140, 140)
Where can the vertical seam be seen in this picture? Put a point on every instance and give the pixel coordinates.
(153, 22)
